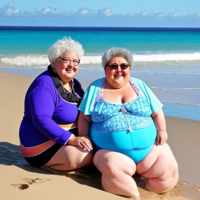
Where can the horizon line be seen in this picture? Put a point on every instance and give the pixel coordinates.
(94, 27)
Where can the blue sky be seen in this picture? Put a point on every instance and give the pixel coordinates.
(128, 13)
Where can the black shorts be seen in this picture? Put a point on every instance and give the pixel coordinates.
(44, 157)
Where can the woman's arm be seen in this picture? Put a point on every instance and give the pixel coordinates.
(42, 105)
(84, 122)
(84, 140)
(42, 108)
(159, 120)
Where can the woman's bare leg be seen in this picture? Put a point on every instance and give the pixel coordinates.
(161, 169)
(70, 157)
(117, 170)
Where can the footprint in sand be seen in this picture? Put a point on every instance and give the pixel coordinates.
(29, 182)
(21, 186)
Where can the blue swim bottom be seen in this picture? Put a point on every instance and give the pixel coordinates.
(136, 144)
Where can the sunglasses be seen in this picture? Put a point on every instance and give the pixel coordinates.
(114, 66)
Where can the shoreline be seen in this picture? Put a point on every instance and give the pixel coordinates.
(79, 184)
(169, 109)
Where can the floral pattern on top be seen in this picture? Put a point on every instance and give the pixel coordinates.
(116, 117)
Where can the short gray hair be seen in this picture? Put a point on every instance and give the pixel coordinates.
(117, 52)
(65, 45)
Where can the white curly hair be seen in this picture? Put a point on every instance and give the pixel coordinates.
(66, 44)
(117, 52)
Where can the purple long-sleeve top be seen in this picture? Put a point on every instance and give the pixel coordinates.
(44, 110)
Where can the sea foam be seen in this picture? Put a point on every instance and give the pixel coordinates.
(28, 60)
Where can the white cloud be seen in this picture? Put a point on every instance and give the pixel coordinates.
(84, 11)
(49, 10)
(105, 12)
(81, 13)
(9, 10)
(105, 15)
(142, 14)
(155, 14)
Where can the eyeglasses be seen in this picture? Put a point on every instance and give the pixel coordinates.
(114, 66)
(66, 61)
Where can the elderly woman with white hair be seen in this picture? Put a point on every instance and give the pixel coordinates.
(126, 123)
(48, 132)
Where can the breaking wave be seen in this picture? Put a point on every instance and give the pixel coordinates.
(41, 60)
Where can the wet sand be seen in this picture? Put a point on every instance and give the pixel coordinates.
(22, 181)
(174, 84)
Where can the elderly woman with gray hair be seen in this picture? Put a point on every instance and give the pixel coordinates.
(125, 121)
(48, 132)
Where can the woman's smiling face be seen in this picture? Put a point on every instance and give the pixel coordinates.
(117, 78)
(66, 70)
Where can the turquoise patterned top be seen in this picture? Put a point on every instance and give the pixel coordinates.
(90, 96)
(108, 117)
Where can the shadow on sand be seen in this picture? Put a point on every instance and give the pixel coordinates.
(10, 154)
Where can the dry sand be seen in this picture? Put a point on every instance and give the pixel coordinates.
(22, 181)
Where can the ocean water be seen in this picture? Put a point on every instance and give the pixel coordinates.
(167, 59)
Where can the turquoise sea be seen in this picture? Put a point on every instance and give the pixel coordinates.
(167, 59)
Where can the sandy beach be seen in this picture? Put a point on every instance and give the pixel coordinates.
(21, 181)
